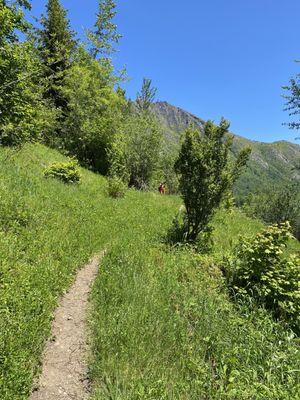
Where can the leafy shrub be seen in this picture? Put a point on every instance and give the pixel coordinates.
(143, 142)
(116, 187)
(206, 174)
(95, 113)
(259, 269)
(68, 172)
(24, 115)
(277, 205)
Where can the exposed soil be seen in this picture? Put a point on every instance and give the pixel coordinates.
(64, 367)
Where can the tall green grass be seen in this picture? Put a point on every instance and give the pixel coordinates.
(48, 230)
(162, 325)
(164, 328)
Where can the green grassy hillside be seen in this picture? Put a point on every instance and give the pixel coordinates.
(162, 323)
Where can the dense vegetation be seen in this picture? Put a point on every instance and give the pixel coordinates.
(276, 205)
(66, 94)
(163, 322)
(166, 321)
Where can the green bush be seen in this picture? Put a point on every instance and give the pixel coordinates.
(260, 269)
(206, 174)
(68, 172)
(24, 115)
(116, 187)
(277, 205)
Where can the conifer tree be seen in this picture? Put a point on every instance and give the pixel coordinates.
(56, 43)
(105, 34)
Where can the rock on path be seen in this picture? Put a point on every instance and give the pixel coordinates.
(64, 368)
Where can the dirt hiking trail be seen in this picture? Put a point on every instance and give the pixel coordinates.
(64, 368)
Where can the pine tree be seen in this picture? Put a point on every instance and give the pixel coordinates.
(105, 35)
(56, 44)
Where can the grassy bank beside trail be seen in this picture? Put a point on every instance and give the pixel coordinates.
(162, 324)
(165, 328)
(48, 230)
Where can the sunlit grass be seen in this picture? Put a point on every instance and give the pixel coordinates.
(162, 324)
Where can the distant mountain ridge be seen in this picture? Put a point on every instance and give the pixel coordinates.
(270, 164)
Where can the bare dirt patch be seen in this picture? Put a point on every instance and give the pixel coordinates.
(64, 367)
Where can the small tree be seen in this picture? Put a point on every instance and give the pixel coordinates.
(293, 101)
(135, 154)
(105, 35)
(95, 112)
(206, 174)
(147, 95)
(143, 137)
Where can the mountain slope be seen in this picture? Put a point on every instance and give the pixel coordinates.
(270, 163)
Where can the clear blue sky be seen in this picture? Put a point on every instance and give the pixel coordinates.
(212, 57)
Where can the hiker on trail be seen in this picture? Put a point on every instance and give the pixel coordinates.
(162, 188)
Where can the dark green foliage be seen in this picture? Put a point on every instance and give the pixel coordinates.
(24, 115)
(56, 44)
(259, 269)
(143, 139)
(166, 171)
(205, 174)
(68, 172)
(276, 205)
(105, 34)
(178, 235)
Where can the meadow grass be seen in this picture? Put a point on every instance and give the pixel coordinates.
(48, 230)
(164, 328)
(162, 324)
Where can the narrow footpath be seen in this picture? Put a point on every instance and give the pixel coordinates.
(64, 364)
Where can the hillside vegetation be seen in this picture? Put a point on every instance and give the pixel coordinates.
(194, 299)
(270, 163)
(162, 323)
